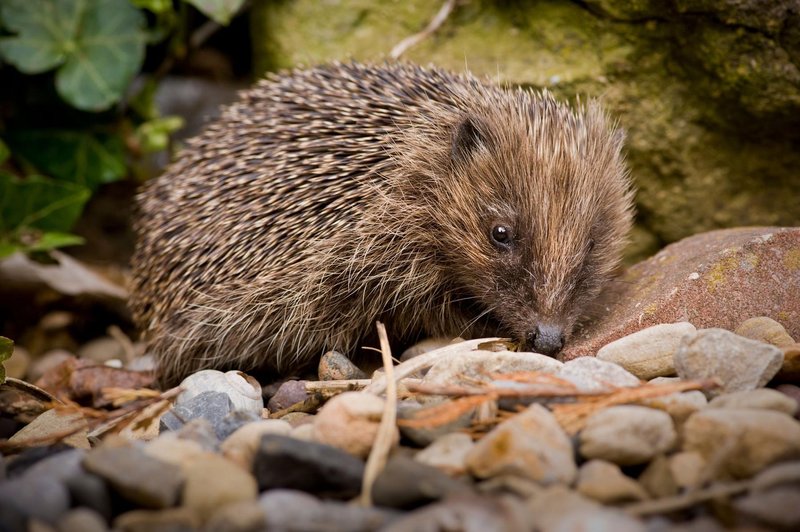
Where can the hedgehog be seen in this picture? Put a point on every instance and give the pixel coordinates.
(326, 199)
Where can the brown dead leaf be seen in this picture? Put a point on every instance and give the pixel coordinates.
(83, 381)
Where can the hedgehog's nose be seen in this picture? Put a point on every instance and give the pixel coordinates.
(546, 339)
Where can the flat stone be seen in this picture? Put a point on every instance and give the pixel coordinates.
(34, 497)
(201, 432)
(423, 436)
(295, 510)
(406, 483)
(714, 279)
(136, 476)
(209, 405)
(559, 509)
(604, 482)
(234, 421)
(760, 398)
(469, 513)
(648, 353)
(212, 482)
(447, 453)
(590, 375)
(478, 364)
(531, 444)
(361, 413)
(737, 362)
(90, 492)
(335, 366)
(170, 520)
(284, 462)
(82, 520)
(627, 435)
(241, 446)
(766, 330)
(781, 474)
(244, 516)
(289, 393)
(51, 423)
(778, 508)
(742, 442)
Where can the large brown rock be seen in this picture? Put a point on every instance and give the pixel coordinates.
(715, 279)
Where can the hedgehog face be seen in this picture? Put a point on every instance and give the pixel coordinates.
(550, 210)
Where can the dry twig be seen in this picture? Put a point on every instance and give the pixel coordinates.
(436, 22)
(384, 440)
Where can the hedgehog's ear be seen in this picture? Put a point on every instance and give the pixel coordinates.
(468, 135)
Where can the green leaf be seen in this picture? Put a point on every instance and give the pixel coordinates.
(45, 29)
(109, 52)
(220, 10)
(154, 134)
(38, 203)
(98, 45)
(154, 6)
(74, 156)
(6, 348)
(9, 248)
(4, 152)
(52, 240)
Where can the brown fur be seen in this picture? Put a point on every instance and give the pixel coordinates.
(328, 198)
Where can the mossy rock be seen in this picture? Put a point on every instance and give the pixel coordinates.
(708, 92)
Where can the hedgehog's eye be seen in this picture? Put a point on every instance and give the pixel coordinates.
(502, 237)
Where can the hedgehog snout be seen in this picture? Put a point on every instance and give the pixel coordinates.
(546, 338)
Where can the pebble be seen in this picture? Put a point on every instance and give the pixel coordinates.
(234, 421)
(791, 391)
(688, 469)
(782, 474)
(423, 436)
(657, 478)
(589, 374)
(102, 350)
(778, 508)
(559, 509)
(447, 453)
(424, 346)
(284, 462)
(211, 406)
(679, 405)
(742, 442)
(241, 446)
(136, 476)
(289, 393)
(361, 413)
(760, 398)
(174, 450)
(180, 519)
(81, 520)
(406, 483)
(766, 330)
(303, 432)
(90, 491)
(243, 390)
(212, 482)
(36, 497)
(531, 444)
(467, 513)
(605, 483)
(648, 353)
(201, 432)
(627, 434)
(291, 510)
(295, 419)
(478, 364)
(334, 366)
(243, 516)
(737, 362)
(50, 423)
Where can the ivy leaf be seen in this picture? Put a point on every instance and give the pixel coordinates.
(4, 152)
(38, 203)
(46, 30)
(97, 45)
(53, 240)
(6, 348)
(219, 10)
(74, 156)
(154, 6)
